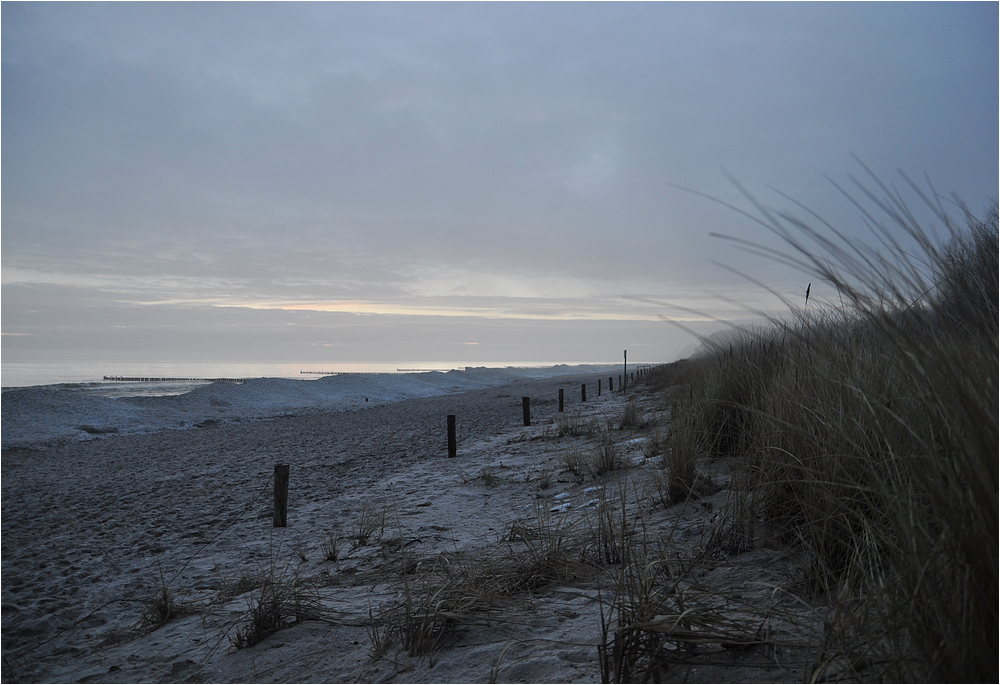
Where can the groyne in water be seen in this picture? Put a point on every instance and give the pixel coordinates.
(149, 379)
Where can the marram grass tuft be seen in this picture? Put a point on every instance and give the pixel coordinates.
(868, 435)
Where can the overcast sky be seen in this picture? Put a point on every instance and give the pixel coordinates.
(468, 182)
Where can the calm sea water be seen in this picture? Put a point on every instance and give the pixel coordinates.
(23, 374)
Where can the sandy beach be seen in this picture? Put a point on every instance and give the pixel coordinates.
(503, 543)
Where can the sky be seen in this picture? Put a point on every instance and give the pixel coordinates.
(452, 182)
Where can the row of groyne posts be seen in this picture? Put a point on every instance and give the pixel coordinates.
(281, 471)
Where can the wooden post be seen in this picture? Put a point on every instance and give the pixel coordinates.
(452, 440)
(280, 495)
(598, 387)
(625, 371)
(611, 384)
(526, 410)
(560, 399)
(583, 392)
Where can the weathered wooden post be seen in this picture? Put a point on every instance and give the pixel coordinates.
(598, 387)
(526, 410)
(583, 392)
(560, 399)
(625, 371)
(452, 440)
(611, 384)
(280, 495)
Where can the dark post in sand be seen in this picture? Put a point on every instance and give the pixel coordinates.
(526, 410)
(560, 399)
(598, 387)
(452, 440)
(625, 370)
(583, 392)
(280, 495)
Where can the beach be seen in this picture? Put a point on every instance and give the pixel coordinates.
(142, 557)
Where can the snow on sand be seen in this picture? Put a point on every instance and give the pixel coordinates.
(86, 410)
(94, 530)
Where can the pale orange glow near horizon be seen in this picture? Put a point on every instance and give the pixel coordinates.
(388, 308)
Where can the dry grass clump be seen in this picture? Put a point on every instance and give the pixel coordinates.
(331, 547)
(246, 583)
(538, 551)
(158, 611)
(631, 415)
(575, 425)
(658, 619)
(610, 530)
(425, 618)
(371, 523)
(545, 478)
(155, 614)
(659, 615)
(604, 457)
(680, 460)
(655, 445)
(576, 463)
(278, 602)
(869, 431)
(488, 475)
(451, 593)
(735, 529)
(266, 612)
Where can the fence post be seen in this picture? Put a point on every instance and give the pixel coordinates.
(526, 410)
(280, 495)
(611, 385)
(560, 399)
(598, 387)
(452, 440)
(583, 392)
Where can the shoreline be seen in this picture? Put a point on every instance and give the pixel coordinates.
(44, 413)
(44, 374)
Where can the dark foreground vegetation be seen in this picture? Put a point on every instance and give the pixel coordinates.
(866, 430)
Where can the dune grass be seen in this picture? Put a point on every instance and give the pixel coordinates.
(451, 592)
(867, 435)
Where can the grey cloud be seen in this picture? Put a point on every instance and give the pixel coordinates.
(318, 151)
(74, 325)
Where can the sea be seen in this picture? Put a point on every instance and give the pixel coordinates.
(95, 400)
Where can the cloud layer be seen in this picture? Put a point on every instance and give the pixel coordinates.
(463, 164)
